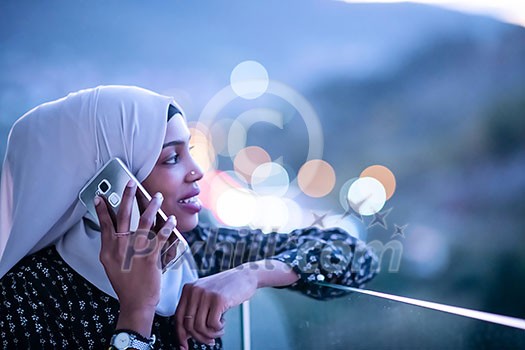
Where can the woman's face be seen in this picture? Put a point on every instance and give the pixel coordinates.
(175, 175)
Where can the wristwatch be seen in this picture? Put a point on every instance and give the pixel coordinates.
(128, 339)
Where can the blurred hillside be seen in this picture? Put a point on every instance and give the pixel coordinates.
(49, 49)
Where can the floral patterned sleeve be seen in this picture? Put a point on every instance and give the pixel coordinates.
(329, 255)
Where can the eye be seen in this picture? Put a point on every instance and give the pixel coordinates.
(172, 160)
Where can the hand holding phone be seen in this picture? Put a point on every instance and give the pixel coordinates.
(111, 183)
(137, 281)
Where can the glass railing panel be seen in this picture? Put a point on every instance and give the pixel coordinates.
(282, 319)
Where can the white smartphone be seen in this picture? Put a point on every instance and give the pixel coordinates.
(111, 181)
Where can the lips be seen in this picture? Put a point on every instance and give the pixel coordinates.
(190, 202)
(190, 197)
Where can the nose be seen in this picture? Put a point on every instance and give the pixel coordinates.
(195, 172)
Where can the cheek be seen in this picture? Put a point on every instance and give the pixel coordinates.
(165, 182)
(171, 184)
(172, 190)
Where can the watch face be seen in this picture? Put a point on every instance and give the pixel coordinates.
(122, 341)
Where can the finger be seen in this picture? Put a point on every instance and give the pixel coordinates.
(201, 315)
(183, 339)
(147, 218)
(142, 200)
(179, 315)
(106, 230)
(183, 316)
(196, 299)
(106, 225)
(110, 211)
(126, 206)
(159, 222)
(191, 309)
(165, 232)
(215, 320)
(161, 238)
(205, 333)
(202, 338)
(169, 248)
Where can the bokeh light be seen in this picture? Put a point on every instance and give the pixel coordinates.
(296, 216)
(219, 135)
(343, 193)
(213, 185)
(236, 138)
(366, 196)
(228, 137)
(236, 207)
(270, 179)
(215, 106)
(204, 130)
(202, 149)
(249, 80)
(237, 178)
(261, 115)
(271, 214)
(426, 249)
(383, 175)
(248, 159)
(316, 178)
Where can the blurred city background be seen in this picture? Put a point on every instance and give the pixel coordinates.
(313, 112)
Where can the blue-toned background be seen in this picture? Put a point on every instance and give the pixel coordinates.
(436, 96)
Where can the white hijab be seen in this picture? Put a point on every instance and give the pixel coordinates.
(52, 151)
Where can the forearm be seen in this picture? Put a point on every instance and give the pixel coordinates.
(307, 255)
(271, 273)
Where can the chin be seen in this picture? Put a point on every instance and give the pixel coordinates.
(187, 223)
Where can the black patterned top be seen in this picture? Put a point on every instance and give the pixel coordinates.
(45, 304)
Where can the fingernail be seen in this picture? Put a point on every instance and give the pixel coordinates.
(172, 219)
(159, 196)
(130, 183)
(212, 343)
(96, 200)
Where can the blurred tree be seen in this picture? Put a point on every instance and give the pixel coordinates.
(505, 127)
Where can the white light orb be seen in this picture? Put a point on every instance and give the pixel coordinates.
(236, 207)
(366, 196)
(270, 179)
(271, 215)
(249, 80)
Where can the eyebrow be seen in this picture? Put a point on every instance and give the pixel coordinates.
(176, 143)
(171, 143)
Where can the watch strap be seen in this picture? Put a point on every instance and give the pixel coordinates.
(138, 341)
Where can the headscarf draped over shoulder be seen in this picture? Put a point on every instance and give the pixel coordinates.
(53, 150)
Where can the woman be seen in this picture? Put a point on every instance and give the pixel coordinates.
(62, 283)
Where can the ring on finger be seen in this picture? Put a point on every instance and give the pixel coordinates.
(122, 234)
